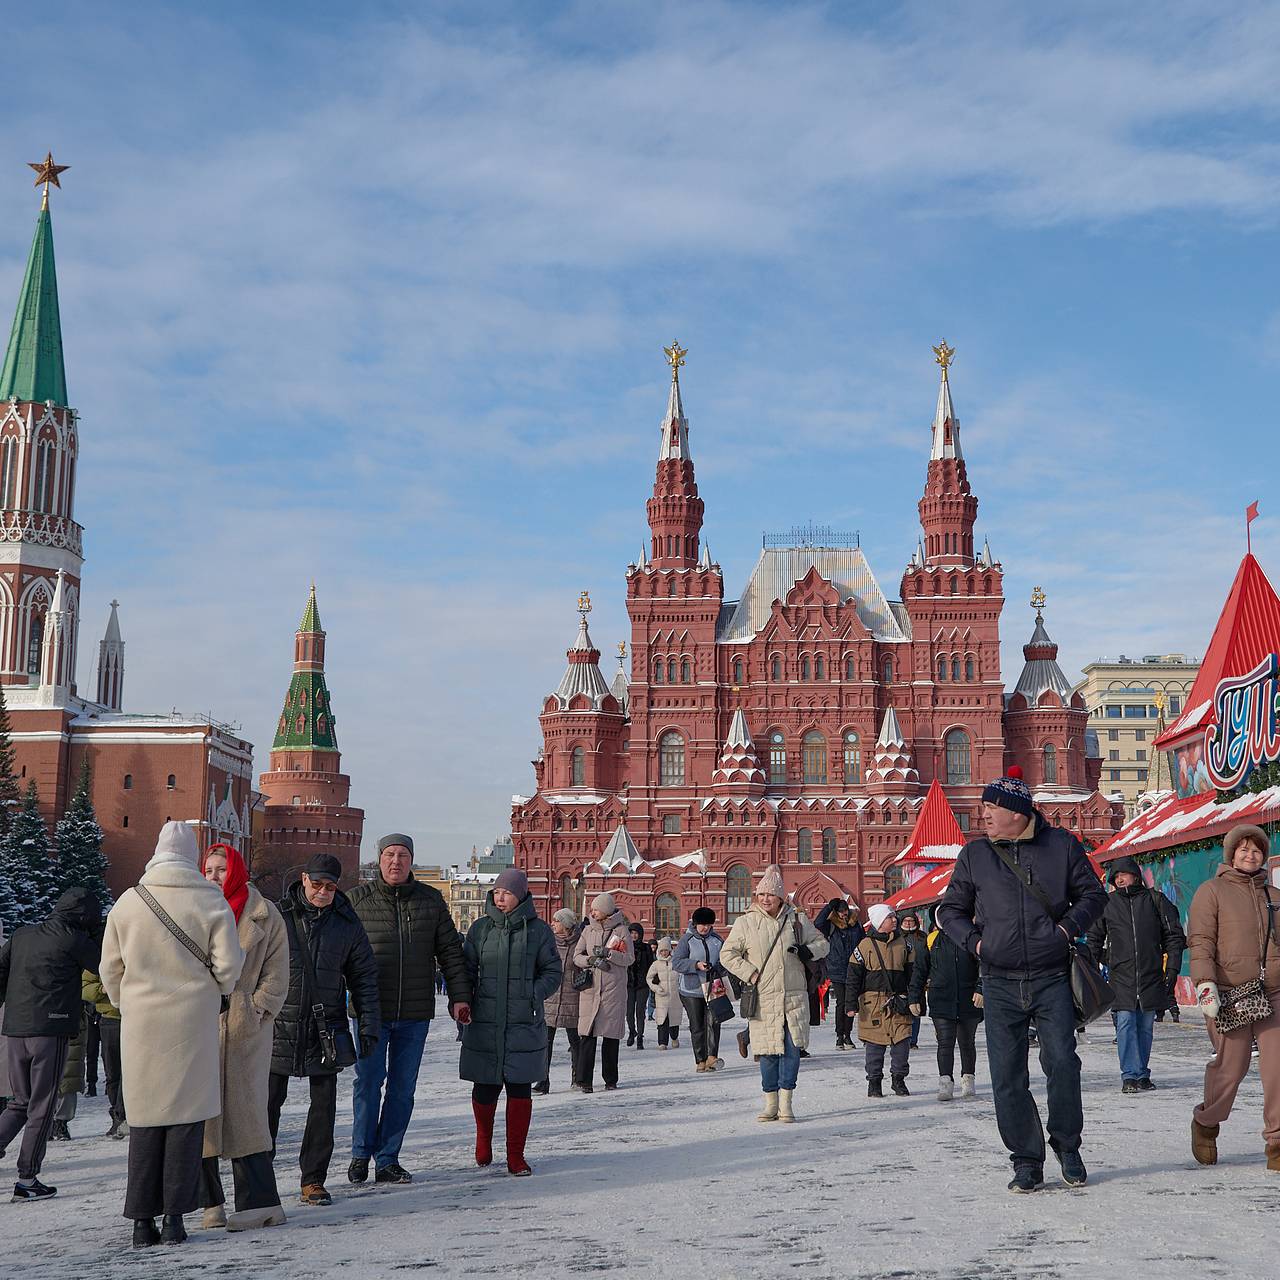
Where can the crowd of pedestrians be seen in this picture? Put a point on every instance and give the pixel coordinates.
(208, 1000)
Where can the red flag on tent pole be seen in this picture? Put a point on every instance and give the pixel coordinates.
(1250, 515)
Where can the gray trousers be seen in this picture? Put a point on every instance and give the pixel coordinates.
(35, 1069)
(899, 1058)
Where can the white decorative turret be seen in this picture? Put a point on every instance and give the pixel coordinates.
(620, 687)
(946, 426)
(739, 768)
(582, 677)
(111, 664)
(57, 665)
(891, 765)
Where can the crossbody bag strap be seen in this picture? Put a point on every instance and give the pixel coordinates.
(328, 1043)
(884, 968)
(1270, 934)
(174, 928)
(768, 953)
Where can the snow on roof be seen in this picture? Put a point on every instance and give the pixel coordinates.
(1175, 821)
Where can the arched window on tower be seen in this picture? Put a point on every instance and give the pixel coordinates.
(775, 668)
(959, 769)
(35, 642)
(819, 671)
(852, 759)
(804, 667)
(777, 759)
(578, 768)
(968, 668)
(671, 671)
(737, 886)
(686, 671)
(8, 472)
(887, 671)
(666, 914)
(671, 587)
(671, 760)
(829, 844)
(737, 671)
(657, 672)
(804, 845)
(955, 669)
(848, 668)
(1050, 763)
(814, 758)
(942, 666)
(42, 496)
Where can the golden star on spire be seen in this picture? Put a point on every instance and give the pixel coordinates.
(47, 172)
(944, 356)
(675, 358)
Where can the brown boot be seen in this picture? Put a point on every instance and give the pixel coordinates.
(1273, 1156)
(702, 1066)
(1204, 1142)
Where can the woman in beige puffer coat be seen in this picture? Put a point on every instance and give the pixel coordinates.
(605, 947)
(663, 981)
(780, 1028)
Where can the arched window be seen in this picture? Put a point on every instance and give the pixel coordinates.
(671, 671)
(172, 782)
(42, 498)
(887, 671)
(814, 758)
(8, 472)
(852, 759)
(968, 668)
(804, 845)
(1050, 762)
(819, 671)
(573, 822)
(671, 587)
(955, 668)
(728, 817)
(955, 585)
(737, 888)
(128, 782)
(804, 667)
(775, 668)
(737, 671)
(959, 770)
(686, 671)
(34, 643)
(829, 844)
(671, 760)
(657, 672)
(578, 768)
(777, 759)
(848, 668)
(666, 914)
(942, 667)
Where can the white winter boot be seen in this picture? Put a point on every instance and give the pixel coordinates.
(785, 1114)
(214, 1216)
(770, 1111)
(967, 1089)
(251, 1219)
(946, 1089)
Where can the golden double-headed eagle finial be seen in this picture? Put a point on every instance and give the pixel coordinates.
(1038, 598)
(944, 356)
(675, 354)
(584, 603)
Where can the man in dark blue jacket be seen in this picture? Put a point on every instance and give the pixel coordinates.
(1024, 953)
(835, 922)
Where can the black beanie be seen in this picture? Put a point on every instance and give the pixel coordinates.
(704, 915)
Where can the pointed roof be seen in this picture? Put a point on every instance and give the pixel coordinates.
(675, 426)
(311, 614)
(112, 635)
(891, 763)
(1245, 634)
(582, 676)
(59, 604)
(890, 731)
(936, 837)
(33, 367)
(620, 688)
(621, 849)
(739, 764)
(946, 426)
(1042, 674)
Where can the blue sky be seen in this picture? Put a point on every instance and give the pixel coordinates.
(378, 297)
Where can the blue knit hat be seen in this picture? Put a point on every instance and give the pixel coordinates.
(1010, 792)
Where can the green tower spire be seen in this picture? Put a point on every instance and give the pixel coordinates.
(33, 367)
(311, 614)
(306, 722)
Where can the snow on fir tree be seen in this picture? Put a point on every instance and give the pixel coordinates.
(78, 842)
(25, 863)
(10, 792)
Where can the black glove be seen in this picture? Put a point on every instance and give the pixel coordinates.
(368, 1043)
(802, 952)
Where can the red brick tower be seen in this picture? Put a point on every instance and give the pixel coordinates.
(675, 510)
(306, 794)
(948, 508)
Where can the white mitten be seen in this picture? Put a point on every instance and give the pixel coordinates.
(1207, 998)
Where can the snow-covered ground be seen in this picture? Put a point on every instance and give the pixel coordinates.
(671, 1175)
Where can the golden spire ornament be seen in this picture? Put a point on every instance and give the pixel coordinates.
(1038, 598)
(584, 603)
(675, 354)
(47, 172)
(944, 356)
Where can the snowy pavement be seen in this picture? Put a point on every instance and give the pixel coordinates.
(672, 1175)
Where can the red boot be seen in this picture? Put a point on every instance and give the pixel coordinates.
(519, 1113)
(484, 1113)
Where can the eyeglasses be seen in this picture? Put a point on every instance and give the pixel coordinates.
(323, 886)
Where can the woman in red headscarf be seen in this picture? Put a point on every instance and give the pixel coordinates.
(241, 1133)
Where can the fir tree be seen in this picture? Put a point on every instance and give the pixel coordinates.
(10, 792)
(8, 903)
(78, 841)
(25, 863)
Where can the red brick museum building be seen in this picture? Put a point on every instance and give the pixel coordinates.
(801, 723)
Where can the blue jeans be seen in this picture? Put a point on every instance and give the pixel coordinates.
(780, 1070)
(1134, 1030)
(1009, 1005)
(396, 1060)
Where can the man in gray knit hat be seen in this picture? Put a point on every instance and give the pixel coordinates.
(411, 931)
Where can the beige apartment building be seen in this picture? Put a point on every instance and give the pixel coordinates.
(468, 892)
(1129, 701)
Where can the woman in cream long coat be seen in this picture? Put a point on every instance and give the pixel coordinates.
(241, 1133)
(169, 1004)
(780, 1028)
(663, 981)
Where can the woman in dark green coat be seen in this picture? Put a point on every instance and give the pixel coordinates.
(514, 966)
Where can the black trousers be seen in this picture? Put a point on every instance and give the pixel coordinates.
(487, 1094)
(899, 1058)
(950, 1033)
(704, 1030)
(844, 1019)
(317, 1138)
(253, 1177)
(587, 1060)
(164, 1170)
(668, 1031)
(109, 1032)
(637, 1003)
(92, 1045)
(574, 1049)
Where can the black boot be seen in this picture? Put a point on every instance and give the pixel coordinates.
(900, 1087)
(173, 1232)
(542, 1087)
(874, 1087)
(631, 1039)
(145, 1233)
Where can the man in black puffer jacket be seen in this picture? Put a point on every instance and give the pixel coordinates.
(1140, 940)
(842, 931)
(638, 987)
(410, 931)
(1024, 952)
(319, 918)
(40, 972)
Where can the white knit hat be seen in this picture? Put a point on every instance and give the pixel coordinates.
(771, 882)
(176, 846)
(878, 914)
(605, 903)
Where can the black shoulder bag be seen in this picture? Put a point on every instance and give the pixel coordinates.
(1091, 993)
(895, 1004)
(176, 929)
(749, 1004)
(332, 1043)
